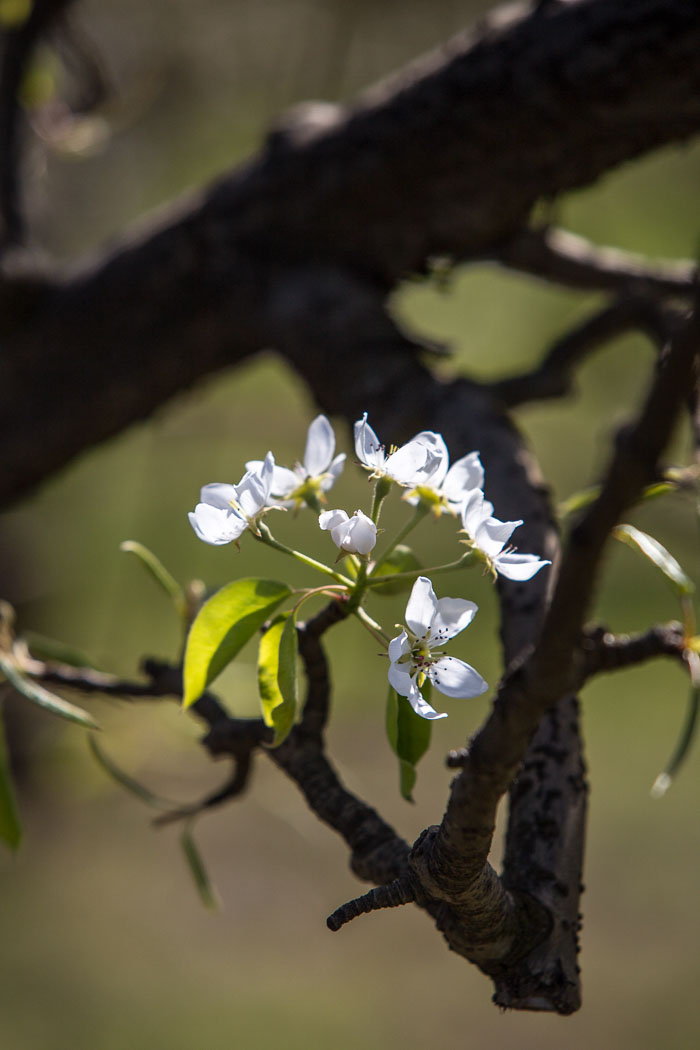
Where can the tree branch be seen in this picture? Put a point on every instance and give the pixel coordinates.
(564, 258)
(553, 377)
(529, 106)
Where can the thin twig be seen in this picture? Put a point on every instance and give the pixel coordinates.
(565, 258)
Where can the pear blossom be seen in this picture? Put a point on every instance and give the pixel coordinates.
(488, 536)
(448, 489)
(226, 511)
(430, 622)
(316, 474)
(415, 463)
(355, 535)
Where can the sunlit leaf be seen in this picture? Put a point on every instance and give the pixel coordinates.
(10, 827)
(125, 780)
(409, 736)
(401, 559)
(222, 627)
(160, 574)
(680, 752)
(277, 675)
(56, 705)
(658, 555)
(207, 893)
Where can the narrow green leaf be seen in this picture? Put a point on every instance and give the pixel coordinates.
(10, 827)
(50, 649)
(277, 675)
(56, 705)
(680, 752)
(658, 555)
(409, 737)
(222, 627)
(205, 889)
(160, 574)
(134, 787)
(577, 501)
(401, 559)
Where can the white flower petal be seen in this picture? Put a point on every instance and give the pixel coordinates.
(330, 518)
(367, 446)
(492, 535)
(218, 494)
(464, 477)
(333, 473)
(283, 480)
(518, 566)
(412, 464)
(420, 705)
(399, 646)
(475, 511)
(400, 678)
(421, 607)
(216, 525)
(438, 457)
(320, 446)
(452, 615)
(455, 678)
(250, 494)
(360, 534)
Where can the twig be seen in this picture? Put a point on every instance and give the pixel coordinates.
(564, 258)
(553, 377)
(604, 652)
(396, 893)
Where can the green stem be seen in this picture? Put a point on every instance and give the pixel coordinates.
(360, 585)
(266, 537)
(413, 574)
(372, 626)
(418, 515)
(381, 491)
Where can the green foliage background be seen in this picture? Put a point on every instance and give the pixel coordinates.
(104, 942)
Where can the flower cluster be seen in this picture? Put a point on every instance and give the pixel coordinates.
(422, 469)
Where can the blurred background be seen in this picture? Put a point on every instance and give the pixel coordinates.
(105, 942)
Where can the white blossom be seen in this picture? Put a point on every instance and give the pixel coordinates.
(415, 463)
(414, 654)
(355, 535)
(448, 489)
(488, 536)
(316, 474)
(226, 511)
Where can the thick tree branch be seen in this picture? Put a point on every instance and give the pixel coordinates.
(446, 159)
(457, 856)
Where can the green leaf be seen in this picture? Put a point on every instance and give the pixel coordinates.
(277, 675)
(160, 574)
(134, 787)
(658, 555)
(222, 627)
(56, 705)
(45, 648)
(401, 559)
(205, 889)
(10, 827)
(680, 752)
(409, 736)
